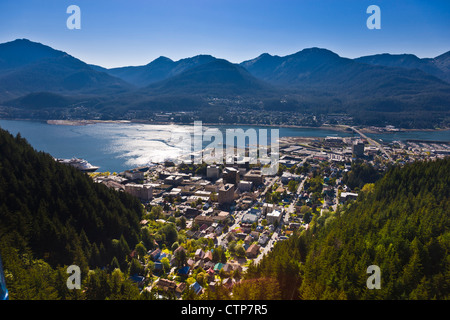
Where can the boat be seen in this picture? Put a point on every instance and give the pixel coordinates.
(79, 164)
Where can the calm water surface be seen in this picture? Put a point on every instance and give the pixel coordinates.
(117, 147)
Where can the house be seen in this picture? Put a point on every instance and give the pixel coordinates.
(228, 283)
(218, 266)
(263, 239)
(166, 285)
(218, 230)
(173, 261)
(237, 266)
(199, 254)
(208, 256)
(228, 267)
(252, 251)
(180, 248)
(190, 262)
(198, 289)
(209, 265)
(199, 264)
(254, 234)
(190, 234)
(184, 271)
(155, 254)
(210, 273)
(137, 279)
(181, 287)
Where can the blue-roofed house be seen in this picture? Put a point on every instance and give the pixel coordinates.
(184, 271)
(197, 287)
(161, 256)
(137, 279)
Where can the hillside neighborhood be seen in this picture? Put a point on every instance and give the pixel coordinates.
(207, 223)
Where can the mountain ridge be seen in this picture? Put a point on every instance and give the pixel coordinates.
(27, 67)
(375, 89)
(438, 66)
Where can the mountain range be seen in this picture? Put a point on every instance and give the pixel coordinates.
(39, 79)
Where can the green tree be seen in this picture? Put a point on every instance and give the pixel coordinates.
(136, 267)
(140, 250)
(180, 258)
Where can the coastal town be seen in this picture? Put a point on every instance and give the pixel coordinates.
(208, 223)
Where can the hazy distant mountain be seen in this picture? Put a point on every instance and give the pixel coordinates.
(323, 70)
(326, 83)
(216, 78)
(438, 67)
(157, 70)
(27, 67)
(443, 63)
(293, 69)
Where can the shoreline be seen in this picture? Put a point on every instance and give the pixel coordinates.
(82, 122)
(88, 122)
(339, 128)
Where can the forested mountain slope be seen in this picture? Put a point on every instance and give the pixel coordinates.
(401, 226)
(52, 215)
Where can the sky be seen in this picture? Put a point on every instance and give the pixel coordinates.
(134, 32)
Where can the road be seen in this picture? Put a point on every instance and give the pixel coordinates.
(285, 220)
(267, 247)
(269, 186)
(371, 141)
(291, 208)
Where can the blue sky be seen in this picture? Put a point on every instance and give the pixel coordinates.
(134, 32)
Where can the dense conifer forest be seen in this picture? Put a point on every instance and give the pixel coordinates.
(52, 216)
